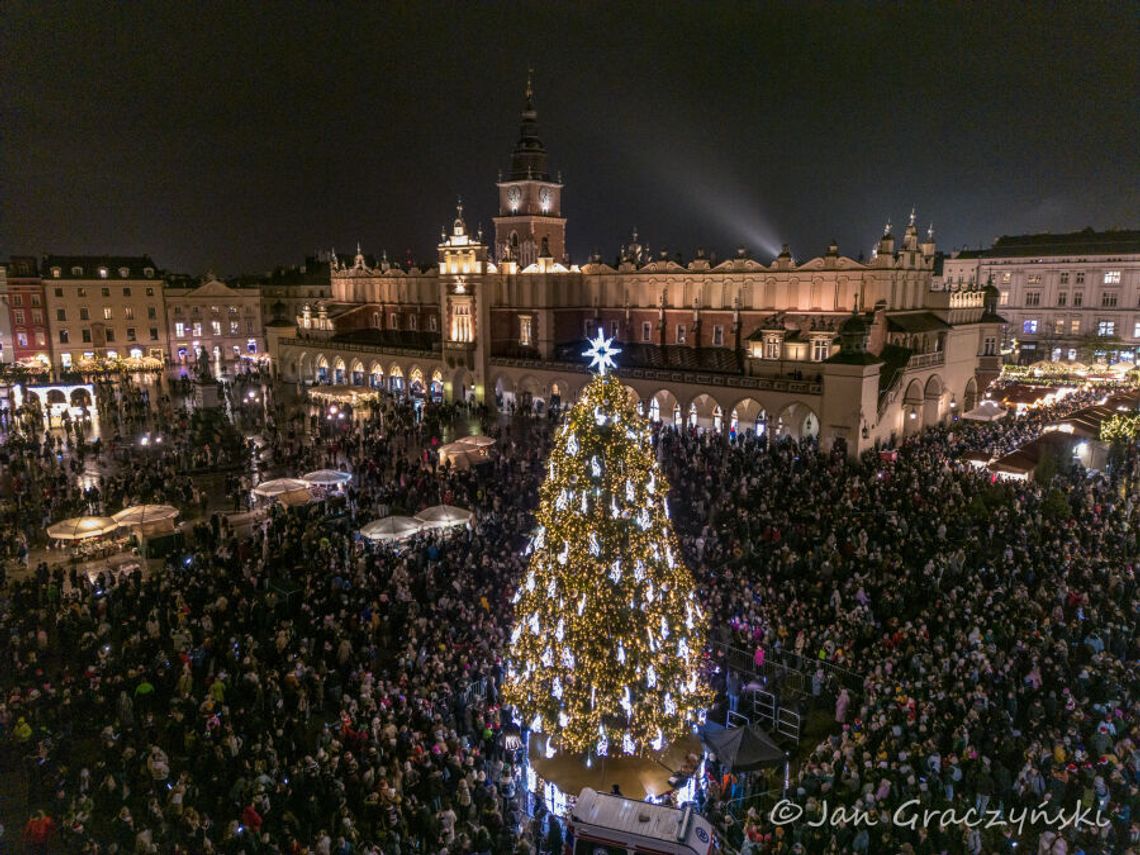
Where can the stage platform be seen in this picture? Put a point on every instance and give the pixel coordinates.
(637, 777)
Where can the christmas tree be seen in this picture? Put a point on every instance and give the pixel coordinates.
(608, 635)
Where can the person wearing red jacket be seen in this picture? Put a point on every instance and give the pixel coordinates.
(38, 832)
(251, 819)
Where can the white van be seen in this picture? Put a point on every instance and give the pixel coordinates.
(602, 824)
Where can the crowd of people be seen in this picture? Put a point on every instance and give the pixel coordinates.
(295, 689)
(995, 627)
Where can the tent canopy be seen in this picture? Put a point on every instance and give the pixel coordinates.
(743, 749)
(391, 528)
(987, 411)
(139, 515)
(280, 485)
(443, 516)
(81, 528)
(326, 477)
(477, 441)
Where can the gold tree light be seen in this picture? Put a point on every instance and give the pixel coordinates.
(608, 634)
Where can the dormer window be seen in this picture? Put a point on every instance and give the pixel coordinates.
(124, 272)
(56, 273)
(102, 272)
(148, 272)
(77, 271)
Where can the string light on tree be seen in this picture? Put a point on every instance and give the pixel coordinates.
(621, 671)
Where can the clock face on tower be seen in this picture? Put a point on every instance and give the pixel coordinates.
(514, 196)
(544, 198)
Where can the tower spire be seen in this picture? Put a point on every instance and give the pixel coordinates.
(528, 161)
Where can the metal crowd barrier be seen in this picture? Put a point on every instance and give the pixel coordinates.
(791, 670)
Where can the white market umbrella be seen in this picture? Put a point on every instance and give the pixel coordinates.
(142, 515)
(444, 516)
(478, 441)
(392, 528)
(81, 528)
(326, 477)
(280, 485)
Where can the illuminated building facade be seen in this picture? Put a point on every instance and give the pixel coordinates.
(26, 339)
(1073, 297)
(215, 317)
(827, 346)
(287, 290)
(27, 314)
(103, 308)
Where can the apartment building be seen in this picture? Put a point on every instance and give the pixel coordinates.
(1072, 296)
(103, 309)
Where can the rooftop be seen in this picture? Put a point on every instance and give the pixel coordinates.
(1086, 242)
(89, 267)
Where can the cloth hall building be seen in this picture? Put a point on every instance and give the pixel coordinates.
(843, 349)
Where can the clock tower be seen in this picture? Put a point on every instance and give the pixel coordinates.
(530, 222)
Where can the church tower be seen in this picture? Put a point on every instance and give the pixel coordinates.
(530, 222)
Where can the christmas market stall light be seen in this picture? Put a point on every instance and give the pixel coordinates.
(1120, 428)
(608, 633)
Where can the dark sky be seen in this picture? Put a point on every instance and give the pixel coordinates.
(237, 136)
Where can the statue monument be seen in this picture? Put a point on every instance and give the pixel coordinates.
(206, 393)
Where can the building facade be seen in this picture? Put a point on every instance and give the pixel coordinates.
(101, 309)
(7, 350)
(214, 317)
(27, 313)
(829, 346)
(1072, 297)
(287, 290)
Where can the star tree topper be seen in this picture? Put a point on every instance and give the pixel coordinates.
(601, 352)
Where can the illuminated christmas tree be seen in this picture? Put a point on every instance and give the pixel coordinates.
(608, 634)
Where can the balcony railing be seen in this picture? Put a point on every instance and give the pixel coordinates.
(735, 381)
(350, 347)
(926, 360)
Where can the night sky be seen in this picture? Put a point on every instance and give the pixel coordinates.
(240, 136)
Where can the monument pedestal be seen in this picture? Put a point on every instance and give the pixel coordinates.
(206, 395)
